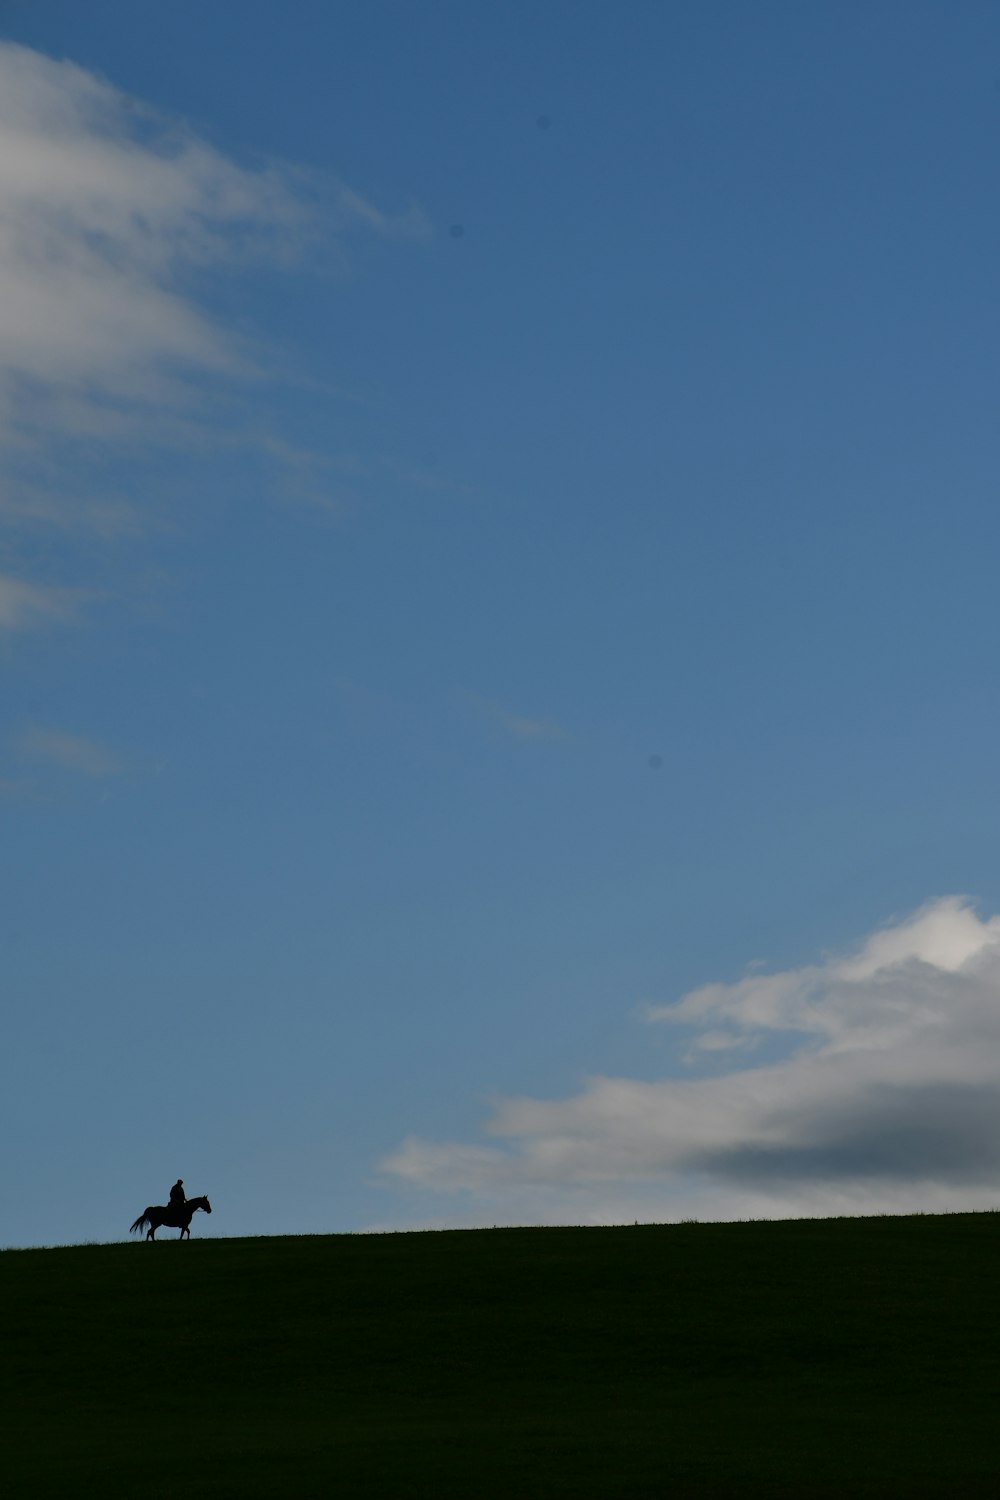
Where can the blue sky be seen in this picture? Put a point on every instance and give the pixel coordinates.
(498, 611)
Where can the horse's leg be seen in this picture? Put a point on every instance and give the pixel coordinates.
(152, 1232)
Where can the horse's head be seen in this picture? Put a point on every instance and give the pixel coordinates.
(201, 1203)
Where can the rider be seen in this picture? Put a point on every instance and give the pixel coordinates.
(177, 1199)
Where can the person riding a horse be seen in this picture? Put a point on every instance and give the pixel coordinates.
(177, 1215)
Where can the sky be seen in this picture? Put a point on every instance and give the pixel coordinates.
(498, 612)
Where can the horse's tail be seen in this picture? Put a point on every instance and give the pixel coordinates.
(142, 1222)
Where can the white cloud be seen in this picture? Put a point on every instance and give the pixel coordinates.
(104, 208)
(111, 219)
(889, 1097)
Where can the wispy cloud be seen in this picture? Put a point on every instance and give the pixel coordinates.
(113, 221)
(69, 752)
(889, 1095)
(25, 605)
(531, 729)
(105, 207)
(411, 225)
(101, 209)
(519, 726)
(25, 505)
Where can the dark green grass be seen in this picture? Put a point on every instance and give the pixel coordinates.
(817, 1357)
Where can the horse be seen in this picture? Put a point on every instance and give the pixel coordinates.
(174, 1218)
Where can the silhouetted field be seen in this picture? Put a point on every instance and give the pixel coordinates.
(817, 1357)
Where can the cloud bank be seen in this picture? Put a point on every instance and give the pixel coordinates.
(888, 1097)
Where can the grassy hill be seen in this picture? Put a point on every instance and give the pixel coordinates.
(818, 1357)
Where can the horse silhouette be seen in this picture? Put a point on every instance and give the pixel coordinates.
(173, 1218)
